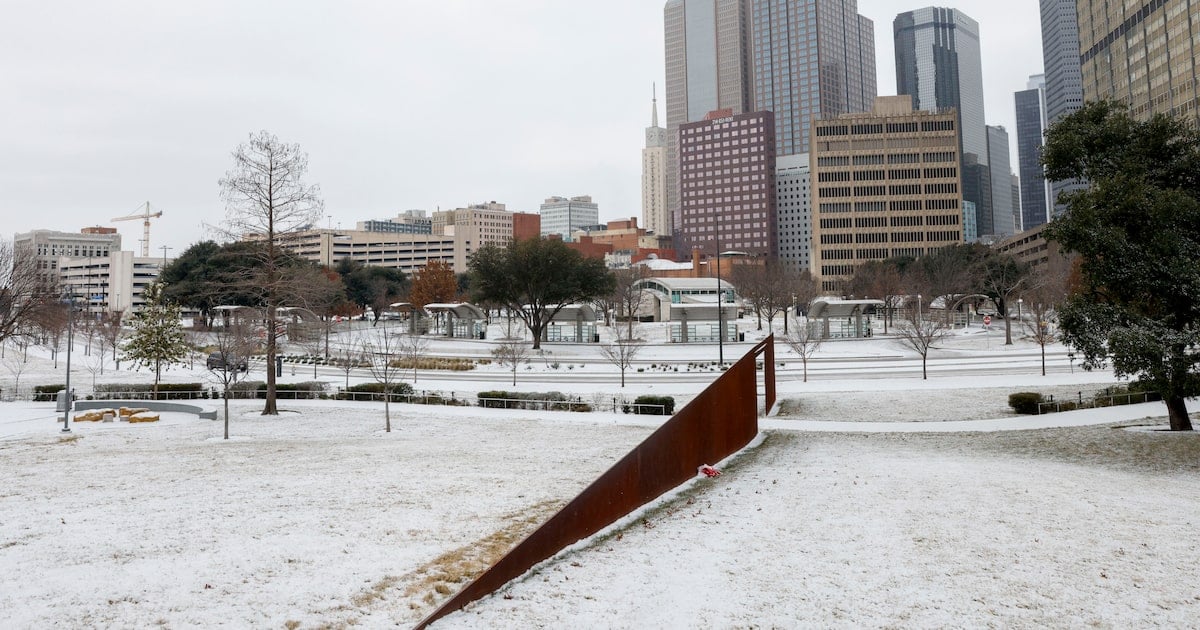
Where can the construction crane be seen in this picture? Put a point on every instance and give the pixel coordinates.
(145, 216)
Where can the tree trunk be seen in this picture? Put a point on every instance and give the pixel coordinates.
(1177, 410)
(924, 370)
(387, 408)
(1043, 358)
(226, 397)
(269, 407)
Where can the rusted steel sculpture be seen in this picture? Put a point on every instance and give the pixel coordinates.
(717, 423)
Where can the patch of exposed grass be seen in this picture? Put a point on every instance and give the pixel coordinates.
(70, 439)
(442, 576)
(375, 592)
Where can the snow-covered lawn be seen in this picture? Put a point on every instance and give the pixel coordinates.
(876, 498)
(319, 517)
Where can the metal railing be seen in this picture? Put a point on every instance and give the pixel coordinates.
(1096, 398)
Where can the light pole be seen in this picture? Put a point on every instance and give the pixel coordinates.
(720, 301)
(70, 341)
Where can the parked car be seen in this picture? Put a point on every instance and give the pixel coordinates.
(222, 361)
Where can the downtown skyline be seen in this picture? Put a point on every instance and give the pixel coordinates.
(398, 107)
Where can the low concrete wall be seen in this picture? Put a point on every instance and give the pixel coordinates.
(205, 413)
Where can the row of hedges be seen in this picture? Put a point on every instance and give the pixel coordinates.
(145, 391)
(375, 391)
(651, 406)
(538, 401)
(1033, 403)
(46, 393)
(309, 390)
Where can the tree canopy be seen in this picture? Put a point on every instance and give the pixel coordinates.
(1136, 229)
(535, 278)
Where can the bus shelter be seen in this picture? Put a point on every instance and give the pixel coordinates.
(834, 318)
(573, 323)
(459, 321)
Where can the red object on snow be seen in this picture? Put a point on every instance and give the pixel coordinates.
(709, 471)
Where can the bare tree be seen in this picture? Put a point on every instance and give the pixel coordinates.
(621, 353)
(266, 198)
(920, 332)
(24, 289)
(1048, 289)
(379, 357)
(234, 342)
(628, 296)
(110, 331)
(805, 342)
(349, 355)
(511, 353)
(53, 321)
(413, 348)
(17, 362)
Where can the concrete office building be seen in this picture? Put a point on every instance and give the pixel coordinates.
(1144, 54)
(51, 246)
(885, 183)
(810, 59)
(727, 184)
(563, 216)
(708, 68)
(1031, 123)
(1000, 221)
(407, 222)
(655, 215)
(113, 283)
(406, 252)
(792, 200)
(476, 225)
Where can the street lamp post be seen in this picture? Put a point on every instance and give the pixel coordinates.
(70, 342)
(720, 301)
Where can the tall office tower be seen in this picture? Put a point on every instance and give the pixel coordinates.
(999, 222)
(708, 68)
(938, 63)
(562, 216)
(1064, 83)
(1143, 54)
(654, 176)
(1060, 58)
(795, 215)
(810, 59)
(727, 184)
(1030, 125)
(1015, 193)
(885, 183)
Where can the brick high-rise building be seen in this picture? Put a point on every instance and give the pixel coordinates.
(727, 184)
(885, 183)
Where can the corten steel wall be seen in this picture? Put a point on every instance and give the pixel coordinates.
(719, 422)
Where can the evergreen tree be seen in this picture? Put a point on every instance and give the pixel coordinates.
(1136, 228)
(157, 340)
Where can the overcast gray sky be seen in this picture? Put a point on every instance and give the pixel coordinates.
(402, 104)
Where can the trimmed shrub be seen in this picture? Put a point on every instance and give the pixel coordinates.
(1025, 402)
(376, 391)
(651, 406)
(536, 401)
(145, 391)
(308, 390)
(46, 393)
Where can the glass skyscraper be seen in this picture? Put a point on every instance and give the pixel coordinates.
(811, 58)
(708, 68)
(1030, 125)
